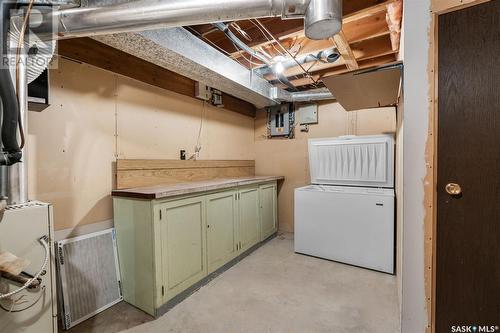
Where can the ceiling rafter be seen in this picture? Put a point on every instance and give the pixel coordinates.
(371, 30)
(345, 50)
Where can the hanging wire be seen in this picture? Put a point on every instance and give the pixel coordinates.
(208, 40)
(267, 38)
(241, 31)
(306, 73)
(219, 48)
(20, 47)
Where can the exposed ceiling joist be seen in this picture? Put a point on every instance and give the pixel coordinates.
(366, 12)
(352, 10)
(345, 50)
(363, 64)
(371, 29)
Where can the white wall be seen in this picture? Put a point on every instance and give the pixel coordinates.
(416, 118)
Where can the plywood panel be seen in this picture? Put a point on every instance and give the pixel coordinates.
(159, 130)
(137, 173)
(96, 117)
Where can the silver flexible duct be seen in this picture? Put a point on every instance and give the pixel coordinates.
(258, 55)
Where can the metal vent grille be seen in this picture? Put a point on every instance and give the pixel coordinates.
(89, 275)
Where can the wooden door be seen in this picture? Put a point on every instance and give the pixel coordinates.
(268, 210)
(248, 220)
(183, 237)
(468, 223)
(222, 217)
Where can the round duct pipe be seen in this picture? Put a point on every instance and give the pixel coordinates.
(323, 19)
(330, 55)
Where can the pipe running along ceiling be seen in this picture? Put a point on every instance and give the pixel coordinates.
(125, 25)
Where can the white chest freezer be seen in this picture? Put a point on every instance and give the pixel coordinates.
(347, 215)
(346, 224)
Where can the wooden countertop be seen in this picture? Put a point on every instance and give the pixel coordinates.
(174, 190)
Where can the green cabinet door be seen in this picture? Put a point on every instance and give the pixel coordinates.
(222, 216)
(183, 250)
(248, 222)
(268, 210)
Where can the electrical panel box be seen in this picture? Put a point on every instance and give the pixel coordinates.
(279, 120)
(202, 91)
(308, 114)
(217, 98)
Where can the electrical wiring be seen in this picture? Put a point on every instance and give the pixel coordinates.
(308, 75)
(11, 310)
(250, 61)
(240, 31)
(212, 43)
(44, 241)
(20, 47)
(208, 40)
(268, 39)
(197, 148)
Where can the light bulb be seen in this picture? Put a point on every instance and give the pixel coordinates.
(279, 68)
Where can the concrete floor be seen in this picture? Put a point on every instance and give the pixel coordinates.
(273, 290)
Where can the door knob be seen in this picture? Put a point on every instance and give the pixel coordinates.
(453, 189)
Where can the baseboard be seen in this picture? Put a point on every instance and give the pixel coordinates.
(83, 230)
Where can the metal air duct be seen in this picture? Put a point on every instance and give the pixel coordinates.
(326, 56)
(322, 18)
(154, 14)
(320, 94)
(258, 55)
(312, 95)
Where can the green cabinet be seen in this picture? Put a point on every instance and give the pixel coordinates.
(182, 236)
(167, 245)
(248, 222)
(222, 216)
(268, 209)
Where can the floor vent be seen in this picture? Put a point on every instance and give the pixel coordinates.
(89, 276)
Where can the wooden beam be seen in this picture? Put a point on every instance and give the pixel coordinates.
(357, 31)
(352, 11)
(365, 27)
(372, 10)
(364, 64)
(446, 6)
(365, 50)
(92, 52)
(345, 50)
(372, 48)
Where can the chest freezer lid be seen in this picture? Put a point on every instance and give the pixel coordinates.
(352, 160)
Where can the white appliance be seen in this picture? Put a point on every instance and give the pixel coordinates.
(26, 231)
(347, 214)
